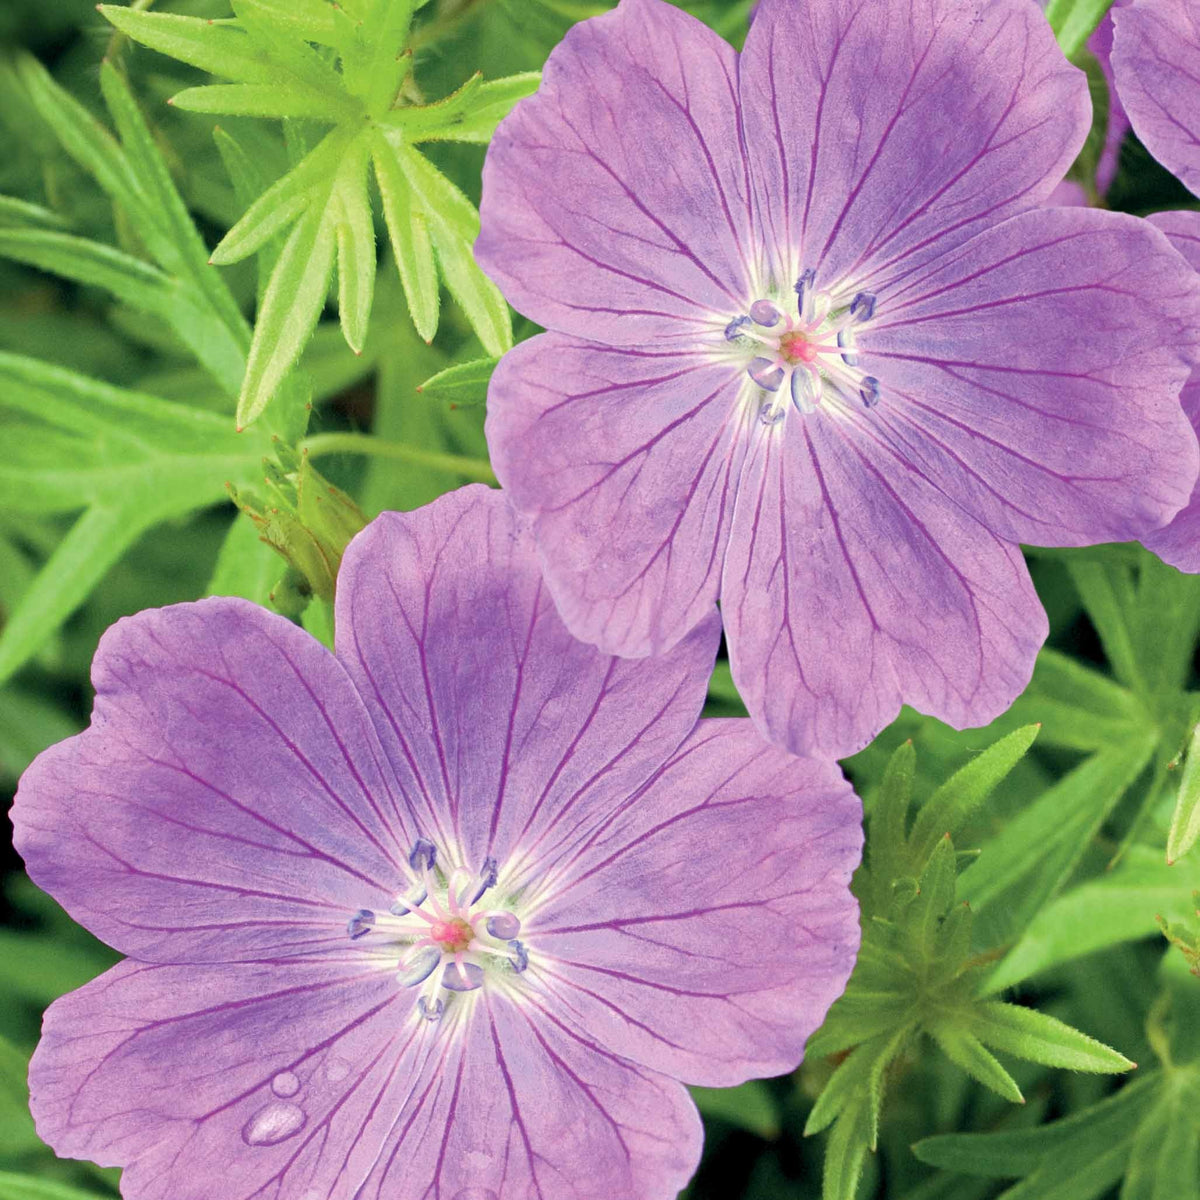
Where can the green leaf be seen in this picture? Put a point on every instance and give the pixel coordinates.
(253, 100)
(408, 229)
(462, 385)
(470, 115)
(1115, 908)
(965, 1050)
(246, 565)
(1021, 1152)
(859, 1073)
(26, 1187)
(1107, 592)
(308, 20)
(945, 811)
(1164, 1161)
(1073, 21)
(454, 226)
(219, 47)
(16, 1125)
(1040, 1038)
(22, 214)
(379, 71)
(751, 1107)
(29, 722)
(1185, 822)
(355, 245)
(291, 307)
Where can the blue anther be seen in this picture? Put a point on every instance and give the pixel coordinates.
(405, 904)
(863, 306)
(520, 958)
(845, 340)
(807, 278)
(868, 389)
(504, 926)
(431, 1012)
(360, 924)
(466, 980)
(423, 855)
(763, 312)
(487, 879)
(419, 968)
(765, 373)
(733, 331)
(806, 391)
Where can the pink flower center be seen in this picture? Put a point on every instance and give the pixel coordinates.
(795, 348)
(452, 935)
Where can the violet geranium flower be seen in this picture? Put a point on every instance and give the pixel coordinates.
(818, 351)
(1156, 67)
(445, 916)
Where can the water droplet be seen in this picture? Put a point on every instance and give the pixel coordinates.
(475, 1193)
(336, 1069)
(285, 1084)
(274, 1124)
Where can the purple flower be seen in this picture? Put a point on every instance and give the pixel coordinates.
(447, 915)
(953, 368)
(1156, 62)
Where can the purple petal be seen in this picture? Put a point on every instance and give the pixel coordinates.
(1178, 543)
(852, 585)
(1156, 61)
(521, 1105)
(229, 800)
(509, 731)
(1033, 375)
(203, 1081)
(707, 932)
(628, 462)
(888, 131)
(615, 201)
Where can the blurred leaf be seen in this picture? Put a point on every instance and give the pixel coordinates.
(1185, 822)
(750, 1106)
(26, 1187)
(29, 722)
(246, 565)
(16, 1125)
(1117, 907)
(1074, 20)
(22, 214)
(464, 384)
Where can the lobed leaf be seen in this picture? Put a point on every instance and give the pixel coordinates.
(469, 115)
(965, 1050)
(355, 245)
(1038, 1037)
(253, 100)
(465, 385)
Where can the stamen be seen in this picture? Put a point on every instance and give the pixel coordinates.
(360, 924)
(868, 389)
(766, 372)
(806, 389)
(763, 312)
(462, 976)
(431, 1012)
(520, 958)
(423, 855)
(770, 413)
(487, 879)
(733, 331)
(803, 284)
(503, 925)
(419, 968)
(863, 306)
(845, 341)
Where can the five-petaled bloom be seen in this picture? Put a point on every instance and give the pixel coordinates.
(448, 915)
(819, 351)
(1156, 75)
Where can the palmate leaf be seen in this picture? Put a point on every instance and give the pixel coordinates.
(128, 460)
(324, 199)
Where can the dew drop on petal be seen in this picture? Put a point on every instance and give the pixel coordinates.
(285, 1084)
(274, 1124)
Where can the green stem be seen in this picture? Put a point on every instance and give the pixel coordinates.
(360, 443)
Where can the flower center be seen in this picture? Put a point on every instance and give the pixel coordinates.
(437, 936)
(812, 352)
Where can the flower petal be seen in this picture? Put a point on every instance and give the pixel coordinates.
(202, 1081)
(709, 928)
(229, 800)
(852, 585)
(881, 133)
(1156, 62)
(506, 724)
(616, 200)
(1178, 543)
(1034, 374)
(524, 1107)
(627, 460)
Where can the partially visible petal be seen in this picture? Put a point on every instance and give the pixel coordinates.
(230, 799)
(1156, 62)
(1034, 374)
(881, 133)
(501, 723)
(710, 926)
(852, 585)
(168, 1071)
(1179, 542)
(627, 461)
(616, 200)
(523, 1107)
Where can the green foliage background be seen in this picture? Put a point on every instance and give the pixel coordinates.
(1026, 940)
